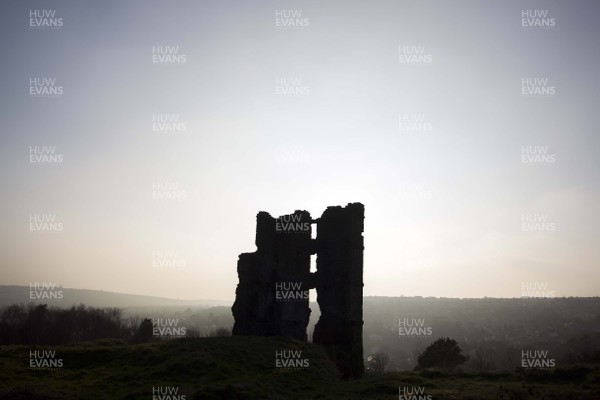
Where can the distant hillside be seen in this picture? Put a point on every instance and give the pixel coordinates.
(11, 294)
(245, 368)
(569, 328)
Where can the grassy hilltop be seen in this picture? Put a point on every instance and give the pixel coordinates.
(244, 368)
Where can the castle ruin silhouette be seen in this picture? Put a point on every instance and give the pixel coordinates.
(272, 294)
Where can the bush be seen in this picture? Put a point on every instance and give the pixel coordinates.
(443, 353)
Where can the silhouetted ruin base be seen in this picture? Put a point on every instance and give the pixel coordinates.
(272, 294)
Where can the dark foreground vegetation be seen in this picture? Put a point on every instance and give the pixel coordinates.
(245, 368)
(474, 351)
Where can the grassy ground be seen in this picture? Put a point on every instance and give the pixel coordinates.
(244, 368)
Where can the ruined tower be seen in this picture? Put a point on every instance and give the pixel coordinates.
(339, 283)
(272, 294)
(282, 259)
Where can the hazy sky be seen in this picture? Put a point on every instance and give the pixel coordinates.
(451, 207)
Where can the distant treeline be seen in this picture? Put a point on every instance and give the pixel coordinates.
(38, 324)
(41, 325)
(493, 333)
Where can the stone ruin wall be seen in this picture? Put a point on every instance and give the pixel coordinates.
(280, 267)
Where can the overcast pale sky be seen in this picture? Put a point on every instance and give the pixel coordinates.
(278, 118)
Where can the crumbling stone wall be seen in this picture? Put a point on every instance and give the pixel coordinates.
(272, 294)
(282, 258)
(339, 283)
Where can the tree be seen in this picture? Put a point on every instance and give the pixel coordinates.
(144, 332)
(35, 323)
(482, 360)
(443, 353)
(376, 363)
